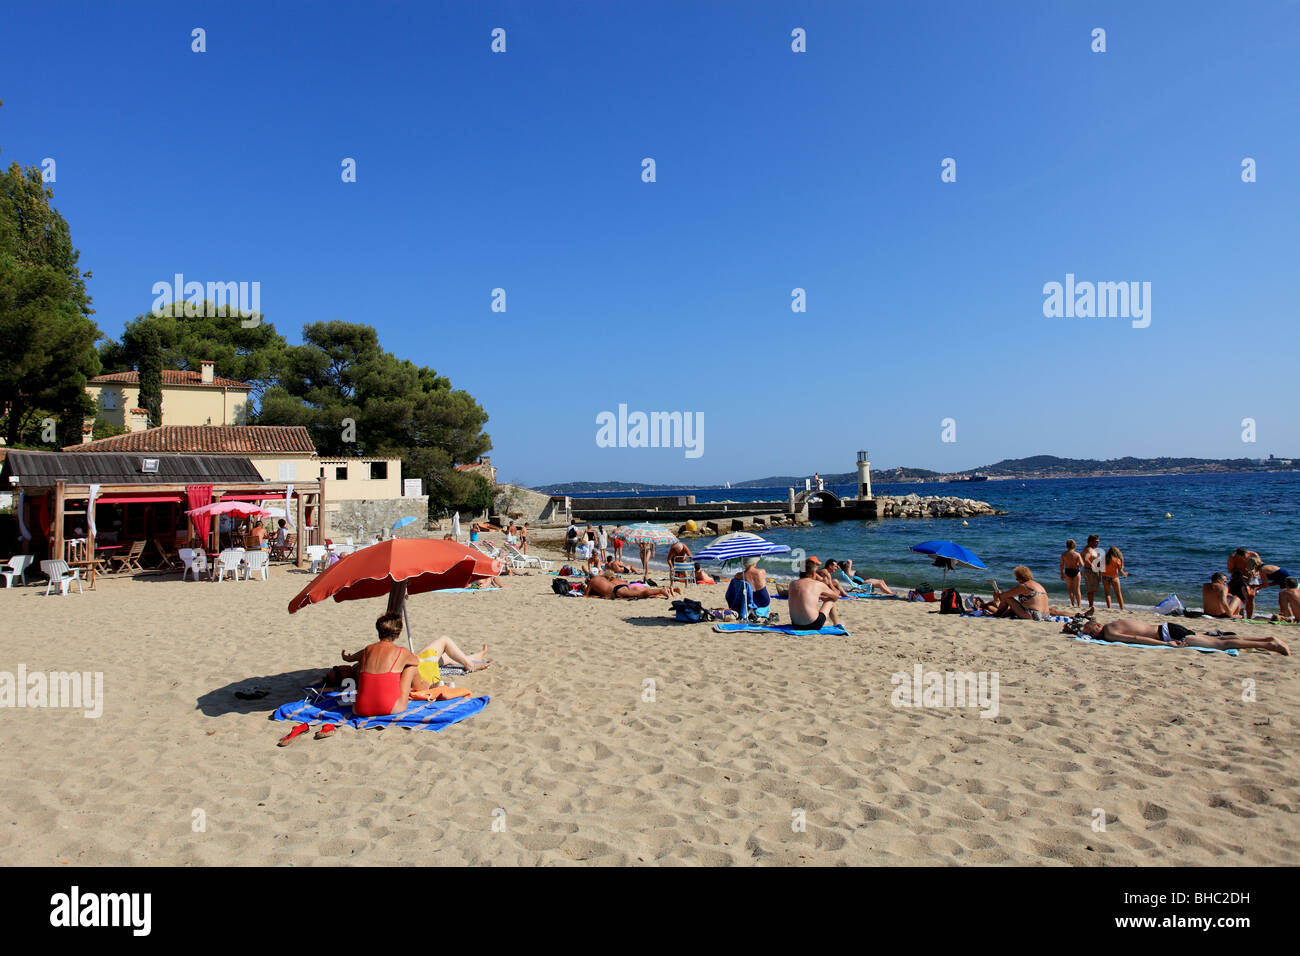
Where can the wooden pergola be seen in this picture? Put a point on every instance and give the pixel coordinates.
(55, 475)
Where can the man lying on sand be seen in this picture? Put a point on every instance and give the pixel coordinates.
(613, 588)
(811, 601)
(1175, 635)
(1217, 601)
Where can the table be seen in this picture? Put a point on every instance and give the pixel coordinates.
(88, 564)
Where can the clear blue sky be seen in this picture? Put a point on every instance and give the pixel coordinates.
(775, 170)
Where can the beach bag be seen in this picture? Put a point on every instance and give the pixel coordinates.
(950, 602)
(1170, 605)
(688, 611)
(561, 586)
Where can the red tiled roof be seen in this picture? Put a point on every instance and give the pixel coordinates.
(209, 440)
(139, 411)
(170, 376)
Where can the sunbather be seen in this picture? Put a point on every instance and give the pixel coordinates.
(1176, 635)
(386, 673)
(1288, 601)
(1027, 600)
(702, 576)
(614, 588)
(1216, 599)
(877, 584)
(853, 582)
(812, 603)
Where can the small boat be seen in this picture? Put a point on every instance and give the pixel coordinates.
(978, 476)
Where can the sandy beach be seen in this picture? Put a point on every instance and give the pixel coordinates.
(744, 749)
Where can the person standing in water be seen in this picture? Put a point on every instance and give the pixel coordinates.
(1110, 577)
(1092, 568)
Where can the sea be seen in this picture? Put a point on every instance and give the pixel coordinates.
(1174, 530)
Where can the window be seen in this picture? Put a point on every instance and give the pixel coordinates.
(110, 399)
(340, 472)
(288, 471)
(378, 470)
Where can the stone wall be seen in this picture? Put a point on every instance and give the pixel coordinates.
(524, 504)
(363, 518)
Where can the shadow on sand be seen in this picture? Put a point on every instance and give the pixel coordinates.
(282, 689)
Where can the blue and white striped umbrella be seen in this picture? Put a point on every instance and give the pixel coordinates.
(739, 544)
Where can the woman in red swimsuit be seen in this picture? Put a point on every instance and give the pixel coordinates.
(386, 673)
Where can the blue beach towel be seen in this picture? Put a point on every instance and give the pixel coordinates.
(464, 590)
(1207, 650)
(860, 597)
(419, 714)
(779, 629)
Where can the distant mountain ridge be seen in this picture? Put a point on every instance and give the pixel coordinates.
(1035, 466)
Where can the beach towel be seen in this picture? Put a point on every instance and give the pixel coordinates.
(779, 629)
(1207, 650)
(858, 597)
(419, 715)
(464, 590)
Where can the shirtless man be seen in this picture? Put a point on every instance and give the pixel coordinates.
(811, 601)
(1240, 560)
(613, 588)
(1091, 556)
(679, 552)
(1217, 601)
(1027, 600)
(1288, 601)
(1175, 635)
(618, 567)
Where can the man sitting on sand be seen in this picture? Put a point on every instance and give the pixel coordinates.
(1027, 600)
(1175, 635)
(386, 673)
(1288, 601)
(811, 601)
(1217, 601)
(614, 588)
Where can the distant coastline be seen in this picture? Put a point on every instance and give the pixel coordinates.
(1036, 468)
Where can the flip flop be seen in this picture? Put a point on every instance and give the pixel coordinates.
(291, 736)
(326, 731)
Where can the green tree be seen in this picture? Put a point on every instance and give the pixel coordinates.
(151, 366)
(49, 340)
(356, 399)
(241, 346)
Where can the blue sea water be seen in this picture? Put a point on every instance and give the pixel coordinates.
(1211, 516)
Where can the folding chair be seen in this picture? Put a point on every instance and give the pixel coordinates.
(131, 560)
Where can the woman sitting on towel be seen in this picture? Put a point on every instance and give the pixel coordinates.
(386, 673)
(875, 585)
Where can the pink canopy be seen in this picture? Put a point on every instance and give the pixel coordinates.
(237, 509)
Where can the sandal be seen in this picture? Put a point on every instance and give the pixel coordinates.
(326, 731)
(291, 736)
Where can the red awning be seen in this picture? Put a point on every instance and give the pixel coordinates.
(261, 497)
(143, 499)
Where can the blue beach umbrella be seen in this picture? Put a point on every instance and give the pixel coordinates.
(740, 544)
(946, 554)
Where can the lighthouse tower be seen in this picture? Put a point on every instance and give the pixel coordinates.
(864, 476)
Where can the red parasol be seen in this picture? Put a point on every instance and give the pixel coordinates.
(397, 567)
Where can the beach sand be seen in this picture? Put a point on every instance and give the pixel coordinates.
(746, 736)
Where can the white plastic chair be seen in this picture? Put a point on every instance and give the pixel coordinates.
(17, 568)
(316, 555)
(228, 561)
(59, 573)
(197, 563)
(256, 562)
(527, 560)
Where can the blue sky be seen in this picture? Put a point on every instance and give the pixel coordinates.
(775, 170)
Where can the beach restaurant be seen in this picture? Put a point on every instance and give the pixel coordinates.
(122, 498)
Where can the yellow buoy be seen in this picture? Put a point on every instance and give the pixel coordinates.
(965, 524)
(1168, 515)
(690, 526)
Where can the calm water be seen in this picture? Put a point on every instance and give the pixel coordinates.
(1211, 515)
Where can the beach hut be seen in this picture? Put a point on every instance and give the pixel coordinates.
(52, 487)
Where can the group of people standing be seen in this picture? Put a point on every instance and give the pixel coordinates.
(1092, 571)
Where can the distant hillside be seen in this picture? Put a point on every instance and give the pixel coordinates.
(604, 487)
(1048, 466)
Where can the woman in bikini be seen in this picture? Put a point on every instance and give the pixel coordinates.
(1110, 577)
(1071, 568)
(386, 673)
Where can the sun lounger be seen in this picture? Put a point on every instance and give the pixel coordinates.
(527, 559)
(316, 555)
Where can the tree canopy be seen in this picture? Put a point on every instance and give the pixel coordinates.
(49, 340)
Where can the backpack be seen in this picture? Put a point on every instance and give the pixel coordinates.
(950, 602)
(561, 586)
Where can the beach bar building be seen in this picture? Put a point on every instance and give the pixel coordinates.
(122, 497)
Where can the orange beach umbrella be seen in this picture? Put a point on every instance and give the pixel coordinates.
(397, 567)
